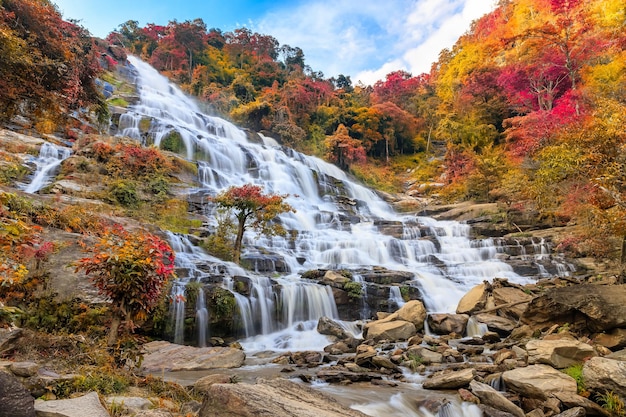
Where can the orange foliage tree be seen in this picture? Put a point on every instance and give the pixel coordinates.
(252, 208)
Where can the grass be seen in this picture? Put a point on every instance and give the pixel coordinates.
(612, 403)
(576, 372)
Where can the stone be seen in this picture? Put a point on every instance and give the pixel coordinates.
(515, 297)
(501, 325)
(467, 396)
(131, 404)
(615, 339)
(164, 356)
(15, 400)
(24, 369)
(604, 374)
(364, 353)
(87, 405)
(586, 307)
(536, 381)
(573, 412)
(449, 380)
(569, 400)
(329, 327)
(414, 312)
(441, 323)
(8, 338)
(474, 300)
(392, 330)
(334, 278)
(153, 413)
(620, 355)
(203, 384)
(495, 399)
(385, 363)
(425, 355)
(559, 353)
(277, 398)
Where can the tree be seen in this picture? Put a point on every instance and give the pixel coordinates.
(343, 149)
(130, 269)
(252, 209)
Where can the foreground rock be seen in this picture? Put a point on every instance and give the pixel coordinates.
(275, 398)
(586, 307)
(164, 356)
(87, 405)
(15, 400)
(602, 374)
(558, 353)
(537, 381)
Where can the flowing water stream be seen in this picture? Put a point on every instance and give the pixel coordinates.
(47, 164)
(338, 224)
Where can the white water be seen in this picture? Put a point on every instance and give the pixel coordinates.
(335, 224)
(49, 159)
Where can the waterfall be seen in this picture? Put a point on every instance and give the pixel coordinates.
(395, 298)
(338, 223)
(49, 159)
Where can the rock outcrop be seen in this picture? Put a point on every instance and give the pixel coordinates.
(275, 398)
(164, 356)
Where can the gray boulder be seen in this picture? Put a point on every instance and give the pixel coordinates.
(275, 398)
(164, 356)
(15, 400)
(558, 353)
(603, 374)
(449, 380)
(440, 323)
(495, 399)
(87, 405)
(536, 381)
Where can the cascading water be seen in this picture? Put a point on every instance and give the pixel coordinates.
(337, 221)
(49, 159)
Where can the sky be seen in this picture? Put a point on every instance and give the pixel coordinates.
(363, 39)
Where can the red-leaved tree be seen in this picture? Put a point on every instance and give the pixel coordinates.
(130, 269)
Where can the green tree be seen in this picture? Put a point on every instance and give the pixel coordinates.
(252, 209)
(130, 269)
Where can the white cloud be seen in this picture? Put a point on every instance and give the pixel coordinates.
(372, 38)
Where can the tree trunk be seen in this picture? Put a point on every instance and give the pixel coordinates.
(115, 326)
(241, 227)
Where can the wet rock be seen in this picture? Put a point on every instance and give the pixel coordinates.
(537, 381)
(387, 277)
(334, 279)
(329, 327)
(385, 363)
(467, 396)
(342, 375)
(87, 405)
(364, 354)
(495, 399)
(604, 374)
(559, 353)
(444, 324)
(391, 330)
(164, 356)
(512, 301)
(501, 325)
(15, 400)
(449, 380)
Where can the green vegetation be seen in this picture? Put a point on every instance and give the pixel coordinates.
(612, 403)
(354, 289)
(576, 372)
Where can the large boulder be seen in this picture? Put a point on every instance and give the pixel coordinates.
(15, 400)
(414, 312)
(449, 380)
(390, 330)
(586, 307)
(603, 374)
(615, 339)
(501, 325)
(329, 327)
(489, 396)
(558, 353)
(164, 356)
(511, 300)
(87, 405)
(441, 323)
(474, 300)
(276, 398)
(536, 381)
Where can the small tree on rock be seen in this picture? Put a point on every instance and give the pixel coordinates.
(130, 269)
(252, 209)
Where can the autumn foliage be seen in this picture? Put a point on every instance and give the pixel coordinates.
(130, 269)
(252, 209)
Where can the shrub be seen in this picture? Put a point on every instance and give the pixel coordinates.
(124, 193)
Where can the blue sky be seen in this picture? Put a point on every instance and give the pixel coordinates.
(365, 39)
